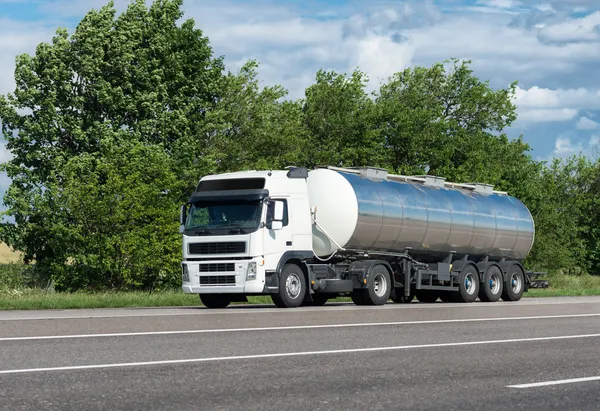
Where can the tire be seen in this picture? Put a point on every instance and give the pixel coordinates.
(468, 285)
(492, 286)
(379, 286)
(318, 300)
(292, 287)
(357, 297)
(397, 296)
(214, 300)
(427, 296)
(514, 284)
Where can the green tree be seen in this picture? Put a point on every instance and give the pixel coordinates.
(447, 123)
(339, 118)
(255, 128)
(141, 76)
(558, 204)
(117, 222)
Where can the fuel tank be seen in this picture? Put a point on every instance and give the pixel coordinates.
(367, 210)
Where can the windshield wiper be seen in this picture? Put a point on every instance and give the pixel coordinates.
(237, 226)
(199, 231)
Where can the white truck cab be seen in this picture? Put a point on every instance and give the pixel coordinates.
(238, 228)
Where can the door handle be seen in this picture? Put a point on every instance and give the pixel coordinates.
(289, 243)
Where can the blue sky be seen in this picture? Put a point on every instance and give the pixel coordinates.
(552, 48)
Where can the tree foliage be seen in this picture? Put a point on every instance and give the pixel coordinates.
(111, 127)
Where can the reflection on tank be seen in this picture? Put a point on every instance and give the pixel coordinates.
(430, 220)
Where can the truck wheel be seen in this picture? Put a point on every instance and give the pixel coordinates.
(357, 297)
(427, 296)
(318, 300)
(292, 287)
(397, 296)
(378, 286)
(491, 287)
(468, 284)
(214, 300)
(514, 284)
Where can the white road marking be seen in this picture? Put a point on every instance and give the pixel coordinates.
(294, 354)
(266, 309)
(293, 327)
(558, 382)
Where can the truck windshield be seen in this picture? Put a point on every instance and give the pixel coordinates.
(218, 218)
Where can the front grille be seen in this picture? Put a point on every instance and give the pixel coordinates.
(232, 247)
(217, 267)
(217, 280)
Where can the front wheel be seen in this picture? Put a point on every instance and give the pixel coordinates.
(214, 300)
(292, 287)
(318, 300)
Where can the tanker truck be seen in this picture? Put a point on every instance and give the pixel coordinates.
(305, 236)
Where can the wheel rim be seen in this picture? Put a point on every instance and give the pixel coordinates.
(495, 282)
(379, 285)
(515, 282)
(470, 283)
(293, 285)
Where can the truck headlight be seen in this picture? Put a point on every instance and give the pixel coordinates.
(185, 275)
(251, 271)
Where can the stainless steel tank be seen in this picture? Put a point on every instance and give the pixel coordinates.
(357, 212)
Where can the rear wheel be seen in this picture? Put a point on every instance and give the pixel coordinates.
(292, 287)
(378, 286)
(468, 284)
(514, 284)
(214, 300)
(492, 285)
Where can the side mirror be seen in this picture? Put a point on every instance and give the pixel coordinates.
(278, 214)
(276, 225)
(182, 214)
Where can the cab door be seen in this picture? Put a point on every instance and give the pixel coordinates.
(277, 241)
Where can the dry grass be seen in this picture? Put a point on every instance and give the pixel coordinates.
(8, 256)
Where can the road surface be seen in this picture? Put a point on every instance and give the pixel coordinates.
(536, 354)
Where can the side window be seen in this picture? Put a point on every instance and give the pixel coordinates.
(271, 211)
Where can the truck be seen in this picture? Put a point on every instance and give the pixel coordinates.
(305, 236)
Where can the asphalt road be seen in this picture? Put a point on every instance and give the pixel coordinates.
(537, 354)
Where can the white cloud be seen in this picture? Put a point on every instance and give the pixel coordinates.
(380, 57)
(565, 147)
(585, 123)
(501, 4)
(547, 115)
(545, 7)
(538, 104)
(580, 29)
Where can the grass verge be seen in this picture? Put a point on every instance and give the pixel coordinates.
(38, 300)
(14, 296)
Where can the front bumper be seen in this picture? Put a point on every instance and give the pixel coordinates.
(222, 277)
